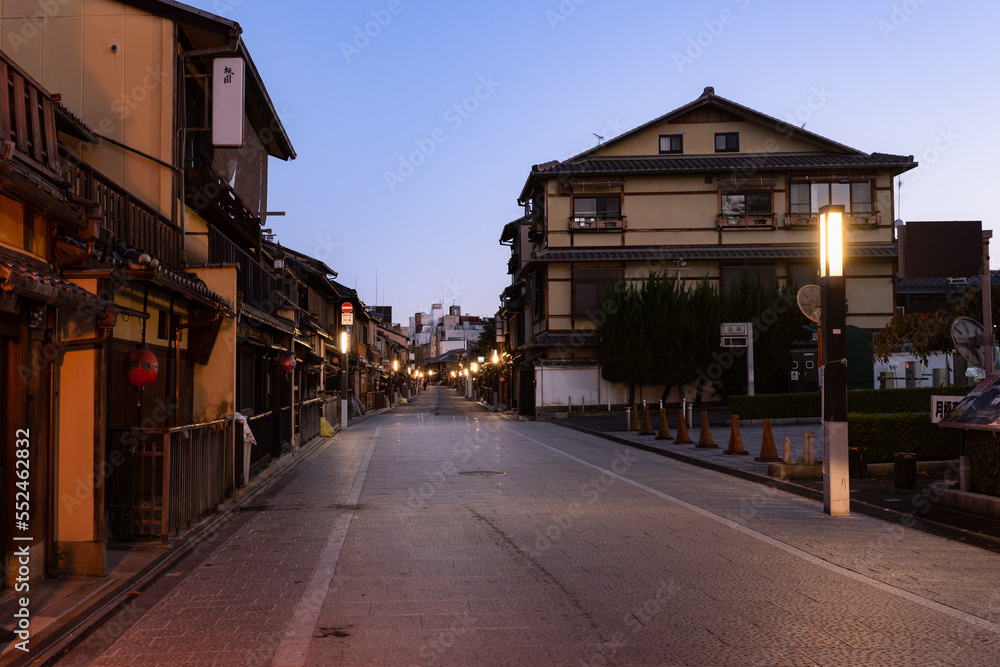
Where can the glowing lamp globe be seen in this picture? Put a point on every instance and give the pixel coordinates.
(141, 367)
(288, 363)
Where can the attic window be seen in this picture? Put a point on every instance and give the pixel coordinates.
(727, 142)
(671, 143)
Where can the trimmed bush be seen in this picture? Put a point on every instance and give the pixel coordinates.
(882, 435)
(776, 406)
(868, 401)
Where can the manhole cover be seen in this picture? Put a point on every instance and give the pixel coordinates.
(482, 473)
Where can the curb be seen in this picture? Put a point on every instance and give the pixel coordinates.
(947, 531)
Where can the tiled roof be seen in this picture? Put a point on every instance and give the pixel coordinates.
(574, 339)
(943, 284)
(41, 283)
(739, 163)
(674, 253)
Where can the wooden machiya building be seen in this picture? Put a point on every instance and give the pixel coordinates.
(711, 190)
(136, 230)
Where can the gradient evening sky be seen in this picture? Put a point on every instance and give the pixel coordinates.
(534, 80)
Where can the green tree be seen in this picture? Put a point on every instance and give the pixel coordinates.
(777, 323)
(621, 337)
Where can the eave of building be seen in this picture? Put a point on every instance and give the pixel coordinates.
(696, 253)
(739, 165)
(221, 32)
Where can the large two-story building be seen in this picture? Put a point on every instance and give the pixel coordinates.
(710, 190)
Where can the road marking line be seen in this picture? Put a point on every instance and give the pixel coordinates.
(787, 548)
(295, 644)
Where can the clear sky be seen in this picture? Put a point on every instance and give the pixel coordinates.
(416, 122)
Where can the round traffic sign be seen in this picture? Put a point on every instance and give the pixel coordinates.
(347, 307)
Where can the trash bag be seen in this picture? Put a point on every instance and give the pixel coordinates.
(325, 430)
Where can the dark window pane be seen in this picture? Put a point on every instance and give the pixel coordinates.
(758, 203)
(608, 208)
(671, 143)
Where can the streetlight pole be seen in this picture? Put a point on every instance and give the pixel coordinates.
(496, 382)
(343, 380)
(833, 315)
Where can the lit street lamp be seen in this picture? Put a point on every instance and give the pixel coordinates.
(833, 316)
(343, 380)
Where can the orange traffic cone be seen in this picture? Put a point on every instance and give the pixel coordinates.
(768, 452)
(635, 418)
(647, 425)
(664, 432)
(735, 441)
(705, 437)
(682, 432)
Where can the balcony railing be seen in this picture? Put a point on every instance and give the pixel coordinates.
(27, 120)
(168, 478)
(254, 282)
(746, 221)
(812, 219)
(208, 194)
(597, 224)
(130, 220)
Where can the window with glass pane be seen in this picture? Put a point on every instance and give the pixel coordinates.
(861, 197)
(727, 142)
(800, 198)
(596, 208)
(589, 289)
(746, 203)
(671, 143)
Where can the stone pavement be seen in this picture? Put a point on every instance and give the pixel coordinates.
(442, 534)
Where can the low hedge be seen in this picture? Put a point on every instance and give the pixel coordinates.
(882, 435)
(867, 401)
(776, 406)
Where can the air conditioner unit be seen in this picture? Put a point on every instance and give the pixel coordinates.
(958, 281)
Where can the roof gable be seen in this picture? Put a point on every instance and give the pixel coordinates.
(771, 135)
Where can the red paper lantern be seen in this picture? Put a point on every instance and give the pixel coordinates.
(141, 367)
(288, 363)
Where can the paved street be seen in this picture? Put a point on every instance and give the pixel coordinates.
(443, 534)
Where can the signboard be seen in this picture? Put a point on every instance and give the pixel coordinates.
(942, 405)
(347, 319)
(228, 90)
(979, 410)
(734, 334)
(941, 249)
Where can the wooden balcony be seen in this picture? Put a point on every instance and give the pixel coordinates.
(810, 220)
(130, 220)
(254, 282)
(218, 203)
(578, 224)
(27, 121)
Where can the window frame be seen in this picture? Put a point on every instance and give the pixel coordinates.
(583, 307)
(672, 150)
(852, 200)
(597, 217)
(732, 142)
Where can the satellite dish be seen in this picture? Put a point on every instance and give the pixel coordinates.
(809, 301)
(967, 336)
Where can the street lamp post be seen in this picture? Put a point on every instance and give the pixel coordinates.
(496, 382)
(343, 381)
(392, 382)
(833, 315)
